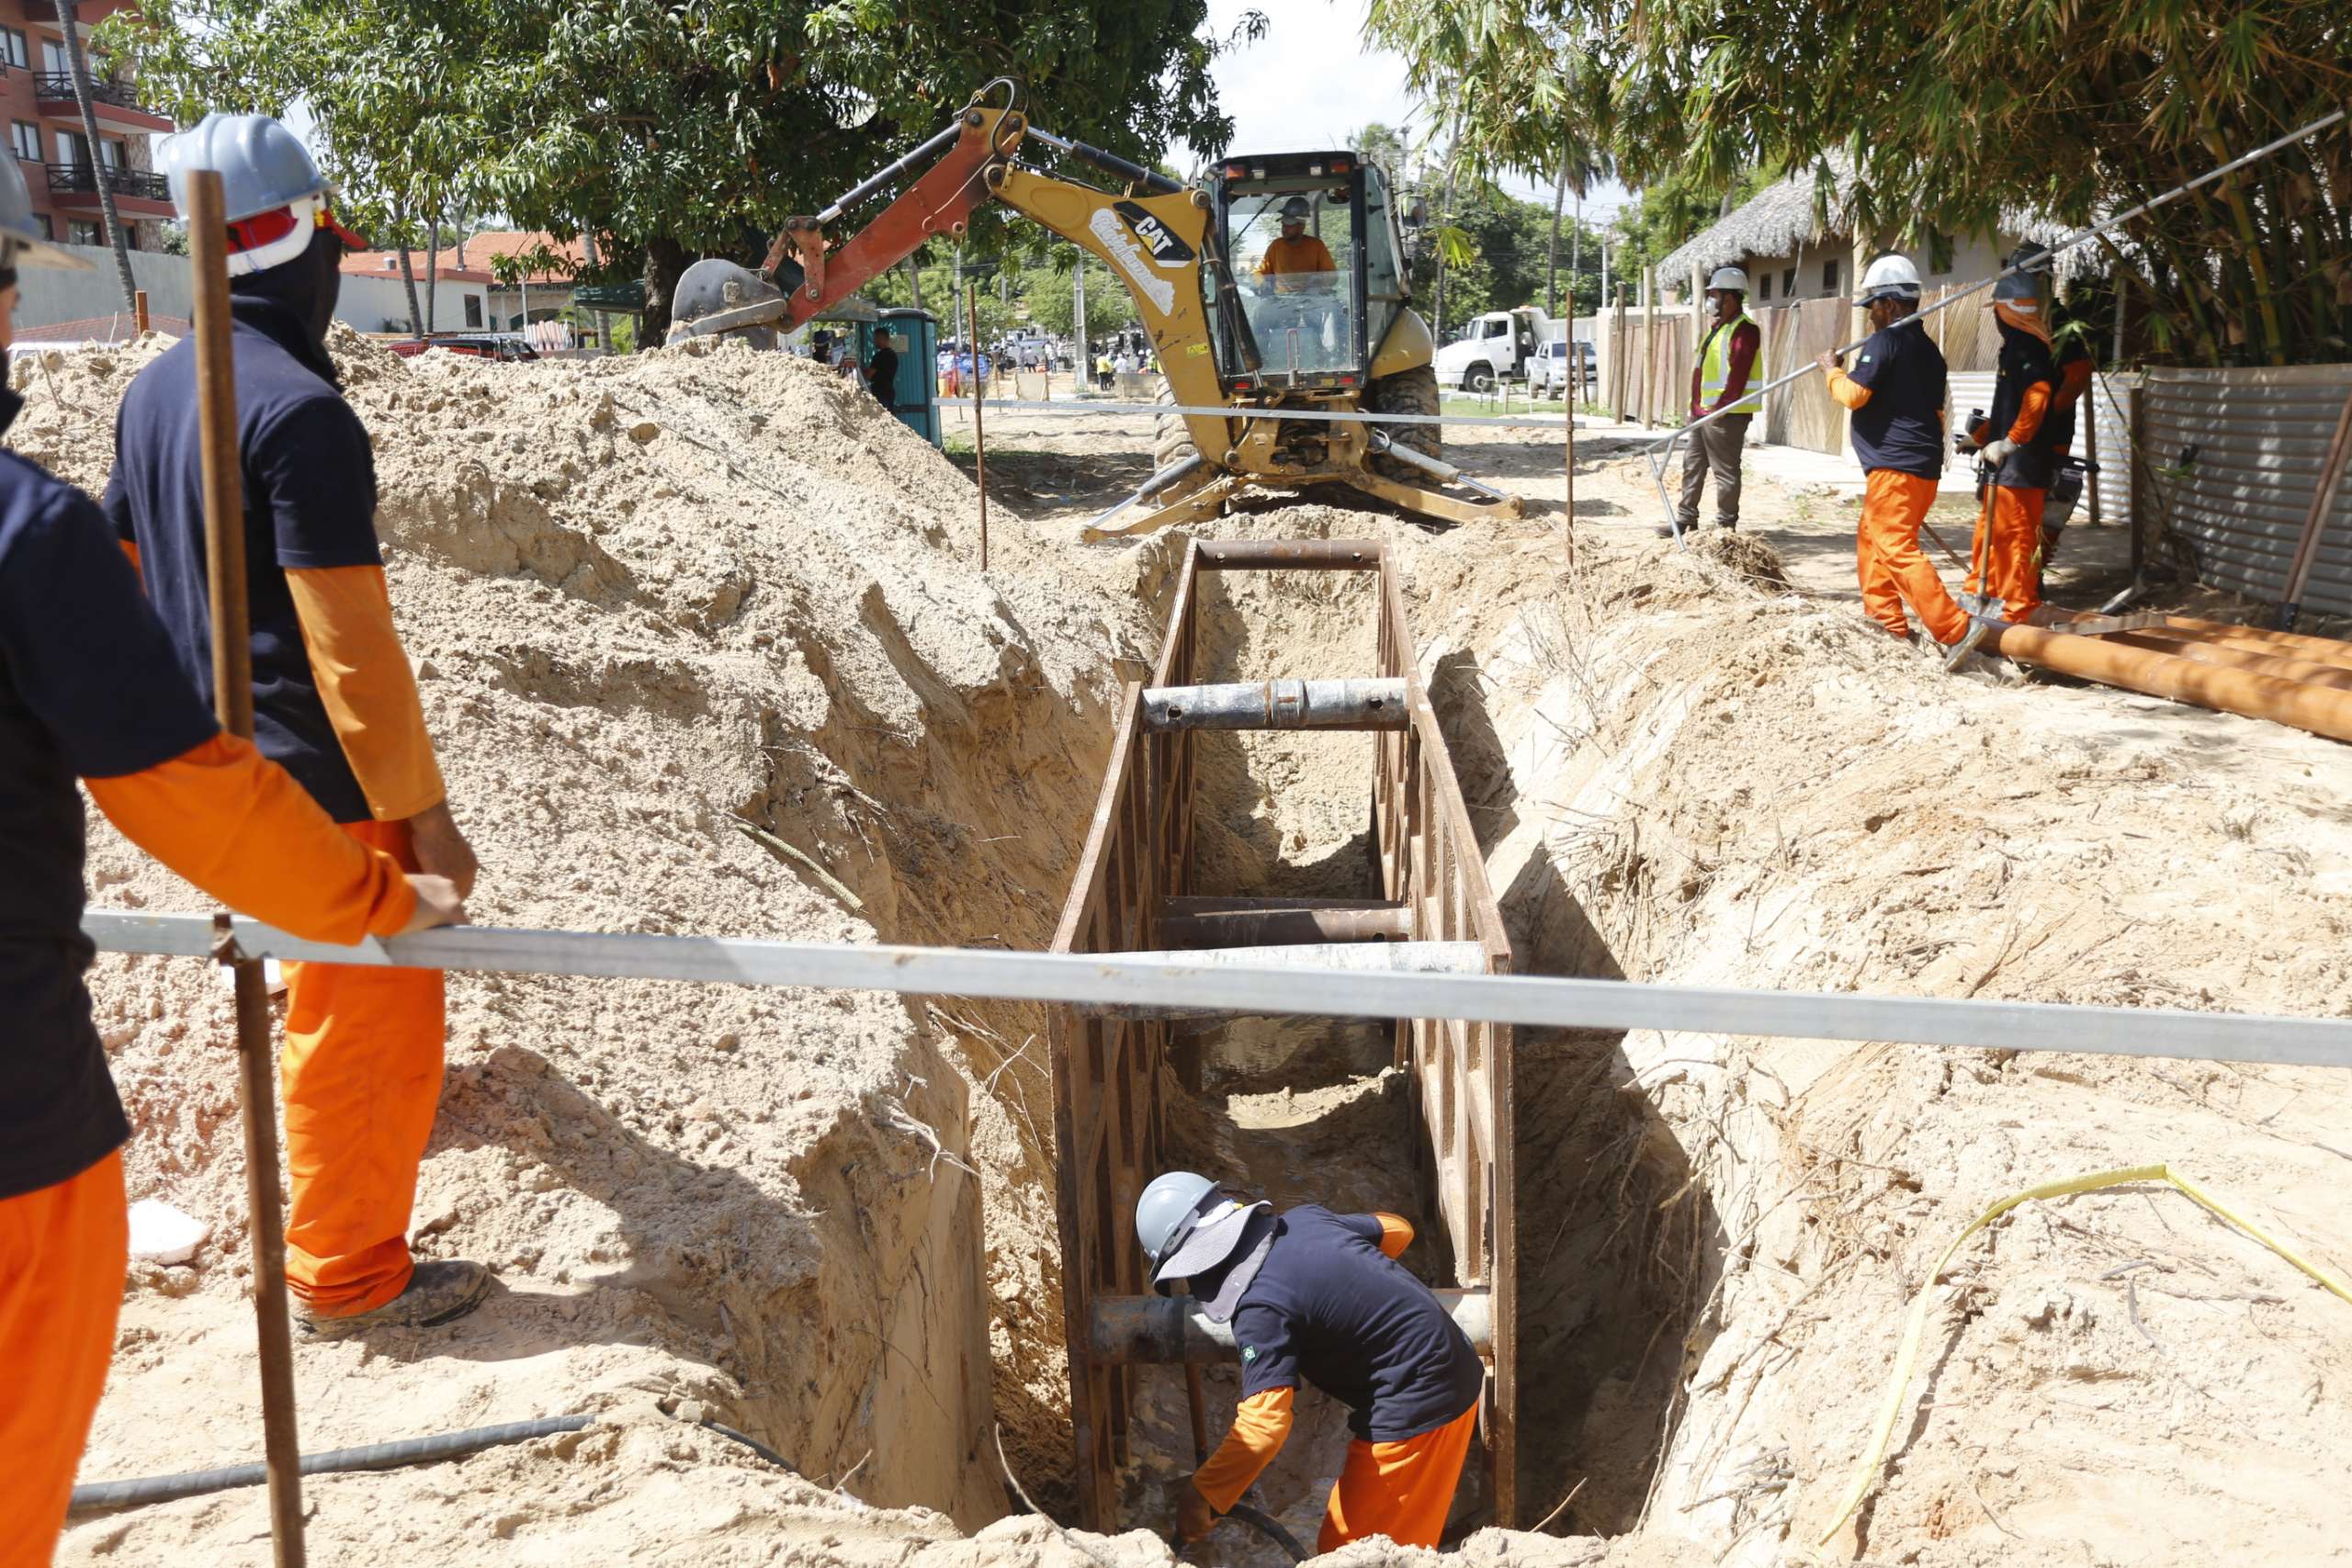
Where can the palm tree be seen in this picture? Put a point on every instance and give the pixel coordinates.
(79, 70)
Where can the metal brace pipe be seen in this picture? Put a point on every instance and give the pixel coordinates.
(1150, 486)
(1168, 1330)
(1444, 472)
(1278, 704)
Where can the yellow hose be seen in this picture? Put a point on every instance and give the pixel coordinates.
(1915, 1327)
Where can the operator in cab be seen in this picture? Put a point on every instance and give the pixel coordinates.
(1319, 1297)
(1291, 262)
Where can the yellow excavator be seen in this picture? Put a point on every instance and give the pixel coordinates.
(1258, 359)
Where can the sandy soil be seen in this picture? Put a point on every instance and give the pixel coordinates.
(651, 597)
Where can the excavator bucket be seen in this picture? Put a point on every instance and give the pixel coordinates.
(715, 296)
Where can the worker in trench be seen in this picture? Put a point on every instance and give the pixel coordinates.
(2013, 444)
(1319, 1297)
(335, 703)
(1719, 387)
(1896, 393)
(89, 689)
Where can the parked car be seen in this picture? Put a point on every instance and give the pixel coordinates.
(509, 347)
(1558, 362)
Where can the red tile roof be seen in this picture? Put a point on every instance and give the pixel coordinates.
(387, 263)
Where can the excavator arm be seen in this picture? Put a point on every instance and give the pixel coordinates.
(1154, 237)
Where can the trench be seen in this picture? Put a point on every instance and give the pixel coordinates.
(1617, 1242)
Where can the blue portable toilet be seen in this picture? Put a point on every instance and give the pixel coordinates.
(915, 397)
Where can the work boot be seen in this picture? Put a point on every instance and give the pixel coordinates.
(440, 1291)
(1977, 626)
(1667, 530)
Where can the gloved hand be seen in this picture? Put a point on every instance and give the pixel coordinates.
(1997, 452)
(1194, 1518)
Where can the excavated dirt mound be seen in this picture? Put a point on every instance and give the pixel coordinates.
(1685, 772)
(651, 601)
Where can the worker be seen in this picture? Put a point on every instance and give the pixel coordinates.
(2013, 447)
(2071, 354)
(1319, 1297)
(89, 689)
(1293, 262)
(1896, 394)
(1719, 382)
(882, 374)
(334, 702)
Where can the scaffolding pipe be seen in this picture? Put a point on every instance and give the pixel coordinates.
(1166, 1330)
(2319, 709)
(1278, 704)
(1353, 957)
(1269, 922)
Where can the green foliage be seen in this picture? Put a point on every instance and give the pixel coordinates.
(663, 126)
(1952, 117)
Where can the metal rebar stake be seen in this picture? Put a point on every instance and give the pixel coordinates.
(232, 699)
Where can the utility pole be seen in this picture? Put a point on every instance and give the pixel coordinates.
(1078, 320)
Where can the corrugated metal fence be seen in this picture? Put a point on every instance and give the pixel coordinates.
(2236, 460)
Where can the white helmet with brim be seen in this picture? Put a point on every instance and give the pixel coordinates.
(271, 194)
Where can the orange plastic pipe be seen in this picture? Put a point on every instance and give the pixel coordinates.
(2182, 645)
(2319, 709)
(2326, 650)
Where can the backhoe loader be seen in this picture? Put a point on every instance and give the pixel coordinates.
(1256, 364)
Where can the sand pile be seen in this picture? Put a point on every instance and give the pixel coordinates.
(652, 600)
(1685, 772)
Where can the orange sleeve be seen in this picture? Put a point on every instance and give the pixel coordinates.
(1395, 1233)
(131, 549)
(2035, 403)
(1260, 1427)
(366, 688)
(1849, 393)
(2073, 380)
(239, 828)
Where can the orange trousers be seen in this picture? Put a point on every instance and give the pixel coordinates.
(62, 1253)
(2011, 551)
(362, 1077)
(1886, 553)
(1401, 1490)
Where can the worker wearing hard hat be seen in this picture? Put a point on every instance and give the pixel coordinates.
(335, 703)
(1317, 1297)
(1719, 382)
(89, 689)
(1896, 394)
(2013, 447)
(1292, 261)
(2072, 355)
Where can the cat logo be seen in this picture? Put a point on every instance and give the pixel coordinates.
(1166, 249)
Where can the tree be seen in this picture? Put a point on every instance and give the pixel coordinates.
(77, 66)
(1951, 121)
(668, 131)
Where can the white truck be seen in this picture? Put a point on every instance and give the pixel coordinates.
(1495, 347)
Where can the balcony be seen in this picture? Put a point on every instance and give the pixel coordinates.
(73, 187)
(113, 102)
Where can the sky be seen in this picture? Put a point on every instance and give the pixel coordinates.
(1311, 83)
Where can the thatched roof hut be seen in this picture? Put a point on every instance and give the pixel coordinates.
(1807, 211)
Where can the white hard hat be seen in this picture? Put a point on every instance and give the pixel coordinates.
(1890, 275)
(1728, 277)
(22, 242)
(271, 194)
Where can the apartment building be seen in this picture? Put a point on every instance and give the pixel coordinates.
(60, 168)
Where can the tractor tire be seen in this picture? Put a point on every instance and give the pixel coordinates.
(1479, 377)
(1408, 392)
(1171, 437)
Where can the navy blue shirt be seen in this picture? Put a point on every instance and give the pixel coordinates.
(1329, 1307)
(88, 688)
(2025, 359)
(1898, 428)
(309, 493)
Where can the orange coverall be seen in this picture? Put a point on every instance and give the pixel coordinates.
(1402, 1490)
(2011, 544)
(1886, 543)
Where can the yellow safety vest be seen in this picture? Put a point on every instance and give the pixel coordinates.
(1714, 367)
